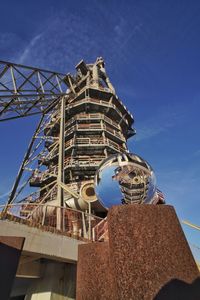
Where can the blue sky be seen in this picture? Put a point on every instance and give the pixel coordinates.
(152, 54)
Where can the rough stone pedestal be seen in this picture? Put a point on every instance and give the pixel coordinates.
(147, 258)
(94, 278)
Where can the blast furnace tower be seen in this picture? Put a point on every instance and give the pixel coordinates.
(91, 124)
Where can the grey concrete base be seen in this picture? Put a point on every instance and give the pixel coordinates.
(57, 283)
(42, 243)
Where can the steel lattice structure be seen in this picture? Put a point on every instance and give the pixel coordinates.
(82, 122)
(26, 91)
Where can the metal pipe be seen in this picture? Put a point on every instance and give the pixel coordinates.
(95, 76)
(61, 157)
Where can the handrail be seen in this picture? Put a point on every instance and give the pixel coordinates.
(92, 116)
(45, 204)
(57, 219)
(100, 231)
(92, 100)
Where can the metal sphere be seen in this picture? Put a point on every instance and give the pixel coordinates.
(124, 179)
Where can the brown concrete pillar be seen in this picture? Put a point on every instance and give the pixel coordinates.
(149, 257)
(94, 279)
(148, 250)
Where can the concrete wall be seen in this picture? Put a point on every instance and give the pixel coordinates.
(46, 244)
(57, 283)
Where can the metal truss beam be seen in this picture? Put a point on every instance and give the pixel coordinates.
(26, 91)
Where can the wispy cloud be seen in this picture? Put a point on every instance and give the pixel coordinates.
(154, 126)
(62, 44)
(63, 41)
(161, 121)
(27, 51)
(148, 131)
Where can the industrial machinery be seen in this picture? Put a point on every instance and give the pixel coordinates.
(84, 126)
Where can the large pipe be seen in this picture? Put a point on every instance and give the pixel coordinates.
(106, 78)
(95, 75)
(87, 194)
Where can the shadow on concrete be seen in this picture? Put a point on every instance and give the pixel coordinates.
(179, 290)
(9, 259)
(58, 278)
